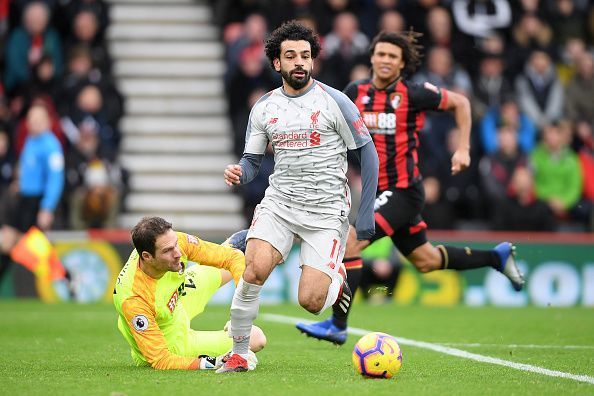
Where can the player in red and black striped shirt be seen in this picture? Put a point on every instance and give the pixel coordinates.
(393, 110)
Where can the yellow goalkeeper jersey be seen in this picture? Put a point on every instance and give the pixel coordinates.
(152, 315)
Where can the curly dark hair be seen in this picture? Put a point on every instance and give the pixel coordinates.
(145, 233)
(408, 42)
(291, 30)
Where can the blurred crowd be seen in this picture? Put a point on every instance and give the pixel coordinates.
(526, 65)
(56, 77)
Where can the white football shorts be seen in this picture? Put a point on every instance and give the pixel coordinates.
(323, 236)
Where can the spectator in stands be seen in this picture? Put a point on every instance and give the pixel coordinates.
(509, 187)
(567, 21)
(558, 176)
(40, 183)
(7, 173)
(415, 13)
(585, 208)
(539, 91)
(490, 87)
(570, 54)
(28, 43)
(93, 185)
(438, 212)
(509, 116)
(343, 48)
(392, 21)
(80, 73)
(529, 33)
(251, 75)
(375, 11)
(442, 33)
(579, 102)
(43, 82)
(254, 32)
(85, 31)
(90, 112)
(521, 210)
(70, 8)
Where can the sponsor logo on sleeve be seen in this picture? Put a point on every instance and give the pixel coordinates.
(192, 239)
(360, 127)
(140, 323)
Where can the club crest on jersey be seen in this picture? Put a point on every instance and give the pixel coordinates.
(365, 100)
(314, 119)
(431, 87)
(395, 99)
(140, 322)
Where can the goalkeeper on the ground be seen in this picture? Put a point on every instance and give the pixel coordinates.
(156, 295)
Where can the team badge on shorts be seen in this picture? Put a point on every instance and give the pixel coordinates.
(140, 322)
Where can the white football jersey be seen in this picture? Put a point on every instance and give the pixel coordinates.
(310, 135)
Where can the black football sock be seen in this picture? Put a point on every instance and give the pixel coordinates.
(4, 265)
(466, 258)
(353, 269)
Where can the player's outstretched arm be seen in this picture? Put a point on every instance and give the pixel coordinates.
(245, 171)
(460, 105)
(365, 224)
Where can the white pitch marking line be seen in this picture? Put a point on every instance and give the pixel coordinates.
(448, 351)
(528, 346)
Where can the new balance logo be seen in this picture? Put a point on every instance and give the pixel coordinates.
(272, 121)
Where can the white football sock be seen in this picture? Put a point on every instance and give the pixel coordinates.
(332, 295)
(244, 310)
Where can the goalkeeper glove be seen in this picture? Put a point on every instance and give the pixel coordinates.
(211, 362)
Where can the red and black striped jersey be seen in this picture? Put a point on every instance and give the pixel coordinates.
(394, 116)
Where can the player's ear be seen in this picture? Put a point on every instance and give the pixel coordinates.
(276, 63)
(146, 255)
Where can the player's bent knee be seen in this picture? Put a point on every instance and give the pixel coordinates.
(313, 305)
(257, 339)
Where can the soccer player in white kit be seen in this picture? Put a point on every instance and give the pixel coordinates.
(310, 127)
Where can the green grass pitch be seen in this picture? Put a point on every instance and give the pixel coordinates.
(75, 349)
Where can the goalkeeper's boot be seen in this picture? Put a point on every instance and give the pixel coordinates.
(328, 330)
(237, 240)
(506, 253)
(234, 364)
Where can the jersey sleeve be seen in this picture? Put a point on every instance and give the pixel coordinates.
(55, 175)
(256, 138)
(349, 123)
(213, 255)
(426, 97)
(150, 340)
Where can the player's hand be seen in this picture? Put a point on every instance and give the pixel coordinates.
(211, 362)
(232, 174)
(460, 161)
(45, 218)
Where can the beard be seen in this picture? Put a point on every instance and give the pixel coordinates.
(296, 82)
